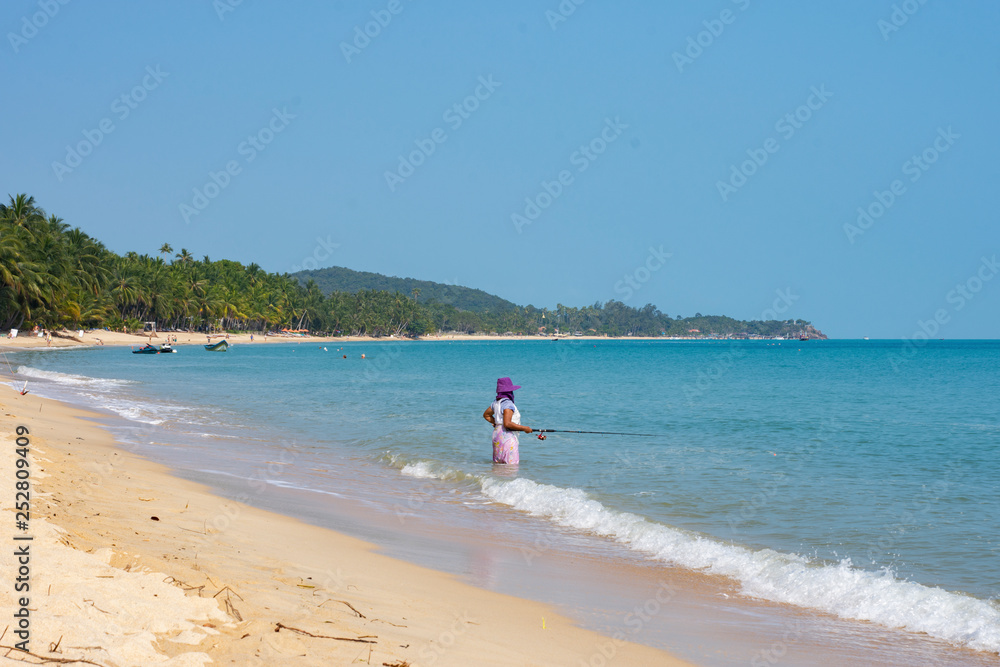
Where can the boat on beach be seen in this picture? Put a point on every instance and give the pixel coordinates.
(221, 346)
(153, 349)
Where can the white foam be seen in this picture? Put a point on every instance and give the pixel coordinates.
(110, 394)
(840, 588)
(69, 379)
(421, 469)
(427, 470)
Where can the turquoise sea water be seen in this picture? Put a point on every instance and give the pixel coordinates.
(849, 477)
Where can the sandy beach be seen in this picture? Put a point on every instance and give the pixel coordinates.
(130, 565)
(100, 337)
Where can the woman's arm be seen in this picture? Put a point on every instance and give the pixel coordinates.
(511, 426)
(488, 415)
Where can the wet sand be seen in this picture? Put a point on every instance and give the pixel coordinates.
(210, 579)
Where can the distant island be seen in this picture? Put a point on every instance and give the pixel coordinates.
(467, 310)
(57, 277)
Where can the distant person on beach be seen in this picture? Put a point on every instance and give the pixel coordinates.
(506, 421)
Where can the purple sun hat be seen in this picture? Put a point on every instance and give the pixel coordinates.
(506, 385)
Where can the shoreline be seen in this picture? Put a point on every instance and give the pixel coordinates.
(270, 577)
(67, 339)
(707, 622)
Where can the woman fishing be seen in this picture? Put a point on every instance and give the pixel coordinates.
(506, 421)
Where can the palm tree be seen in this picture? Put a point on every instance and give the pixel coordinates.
(166, 249)
(23, 213)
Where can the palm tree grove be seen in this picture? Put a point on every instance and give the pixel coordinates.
(56, 276)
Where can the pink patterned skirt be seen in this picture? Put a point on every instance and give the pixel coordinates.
(504, 445)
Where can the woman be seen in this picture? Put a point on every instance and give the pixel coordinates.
(506, 421)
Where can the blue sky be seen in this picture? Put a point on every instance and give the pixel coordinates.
(643, 109)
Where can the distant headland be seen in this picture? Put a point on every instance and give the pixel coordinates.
(55, 277)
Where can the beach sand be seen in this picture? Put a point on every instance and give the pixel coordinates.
(130, 565)
(65, 338)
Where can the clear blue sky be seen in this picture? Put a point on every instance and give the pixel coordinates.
(678, 127)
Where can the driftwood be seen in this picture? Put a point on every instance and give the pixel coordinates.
(366, 639)
(230, 608)
(44, 660)
(360, 615)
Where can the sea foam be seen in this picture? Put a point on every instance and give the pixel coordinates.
(69, 379)
(838, 588)
(106, 393)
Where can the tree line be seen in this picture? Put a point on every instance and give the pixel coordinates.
(55, 276)
(342, 279)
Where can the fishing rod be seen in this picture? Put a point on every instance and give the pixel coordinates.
(542, 431)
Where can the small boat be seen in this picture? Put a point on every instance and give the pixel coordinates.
(221, 346)
(152, 349)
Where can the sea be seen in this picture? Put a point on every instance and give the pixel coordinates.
(772, 502)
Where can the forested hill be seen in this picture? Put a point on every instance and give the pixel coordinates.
(55, 276)
(341, 279)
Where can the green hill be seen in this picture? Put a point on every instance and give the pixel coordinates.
(55, 276)
(341, 279)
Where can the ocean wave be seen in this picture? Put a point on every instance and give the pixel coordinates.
(145, 412)
(421, 469)
(71, 380)
(427, 470)
(111, 394)
(838, 588)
